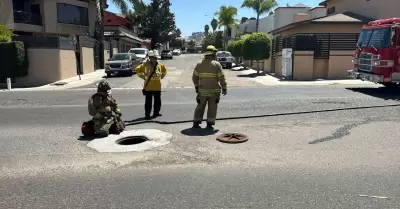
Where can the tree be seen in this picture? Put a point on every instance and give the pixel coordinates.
(226, 18)
(5, 34)
(257, 46)
(260, 7)
(218, 39)
(101, 5)
(176, 43)
(156, 20)
(236, 49)
(214, 24)
(206, 29)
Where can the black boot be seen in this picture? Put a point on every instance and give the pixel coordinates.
(156, 115)
(196, 125)
(210, 126)
(147, 117)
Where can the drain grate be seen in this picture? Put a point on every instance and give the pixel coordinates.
(132, 140)
(232, 138)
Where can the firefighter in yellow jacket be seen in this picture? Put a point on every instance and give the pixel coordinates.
(152, 72)
(209, 81)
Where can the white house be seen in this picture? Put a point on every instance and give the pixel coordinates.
(282, 16)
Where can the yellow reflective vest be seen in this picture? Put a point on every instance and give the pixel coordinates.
(144, 70)
(209, 78)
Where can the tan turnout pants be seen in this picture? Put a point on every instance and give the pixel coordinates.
(202, 101)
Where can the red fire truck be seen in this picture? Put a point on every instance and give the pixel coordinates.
(377, 56)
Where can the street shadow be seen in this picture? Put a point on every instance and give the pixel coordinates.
(251, 75)
(381, 92)
(199, 132)
(136, 121)
(86, 138)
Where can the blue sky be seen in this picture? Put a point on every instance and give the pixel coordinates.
(192, 15)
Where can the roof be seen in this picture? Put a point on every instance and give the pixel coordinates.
(340, 18)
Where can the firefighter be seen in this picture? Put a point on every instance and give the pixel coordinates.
(152, 72)
(209, 81)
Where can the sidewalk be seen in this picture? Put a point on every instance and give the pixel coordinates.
(74, 82)
(269, 80)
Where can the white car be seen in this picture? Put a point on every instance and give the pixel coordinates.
(139, 52)
(225, 58)
(166, 54)
(176, 52)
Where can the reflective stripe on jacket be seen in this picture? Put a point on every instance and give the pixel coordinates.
(144, 70)
(209, 78)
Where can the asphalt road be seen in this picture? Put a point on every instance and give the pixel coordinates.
(309, 147)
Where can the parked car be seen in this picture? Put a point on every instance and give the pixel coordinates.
(225, 58)
(167, 54)
(139, 52)
(122, 63)
(176, 52)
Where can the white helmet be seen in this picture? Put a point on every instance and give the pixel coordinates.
(152, 54)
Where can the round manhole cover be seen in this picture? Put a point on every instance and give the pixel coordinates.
(232, 138)
(132, 140)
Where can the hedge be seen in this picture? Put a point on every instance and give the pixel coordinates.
(257, 46)
(14, 60)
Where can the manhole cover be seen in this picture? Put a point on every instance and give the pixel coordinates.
(232, 138)
(131, 140)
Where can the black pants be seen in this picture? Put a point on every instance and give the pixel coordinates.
(149, 102)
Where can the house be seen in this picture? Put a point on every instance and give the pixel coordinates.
(280, 17)
(369, 8)
(333, 38)
(49, 17)
(121, 33)
(56, 34)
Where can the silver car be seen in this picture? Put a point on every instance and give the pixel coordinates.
(122, 63)
(225, 58)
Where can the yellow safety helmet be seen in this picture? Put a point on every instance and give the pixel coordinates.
(210, 50)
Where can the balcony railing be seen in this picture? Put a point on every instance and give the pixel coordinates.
(27, 18)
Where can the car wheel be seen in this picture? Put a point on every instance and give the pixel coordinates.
(108, 75)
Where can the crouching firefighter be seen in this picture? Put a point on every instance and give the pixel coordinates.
(105, 112)
(209, 82)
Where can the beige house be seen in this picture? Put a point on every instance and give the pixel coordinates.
(46, 27)
(336, 35)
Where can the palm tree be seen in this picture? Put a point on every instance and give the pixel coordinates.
(260, 7)
(206, 29)
(214, 24)
(226, 18)
(137, 15)
(101, 5)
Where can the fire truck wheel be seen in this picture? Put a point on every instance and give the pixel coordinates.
(391, 85)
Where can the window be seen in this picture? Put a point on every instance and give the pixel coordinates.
(330, 10)
(376, 38)
(71, 14)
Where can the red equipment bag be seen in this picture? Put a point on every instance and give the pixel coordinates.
(87, 128)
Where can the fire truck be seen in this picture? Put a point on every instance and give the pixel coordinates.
(377, 56)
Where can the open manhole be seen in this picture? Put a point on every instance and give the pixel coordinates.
(131, 140)
(232, 138)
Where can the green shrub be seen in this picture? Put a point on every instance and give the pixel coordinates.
(14, 60)
(5, 34)
(257, 46)
(236, 48)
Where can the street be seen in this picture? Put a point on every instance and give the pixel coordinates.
(309, 147)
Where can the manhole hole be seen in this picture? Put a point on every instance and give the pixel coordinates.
(131, 140)
(232, 138)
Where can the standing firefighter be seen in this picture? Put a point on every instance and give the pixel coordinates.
(105, 112)
(208, 80)
(152, 72)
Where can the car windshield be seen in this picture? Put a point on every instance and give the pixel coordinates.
(120, 57)
(137, 51)
(377, 38)
(224, 54)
